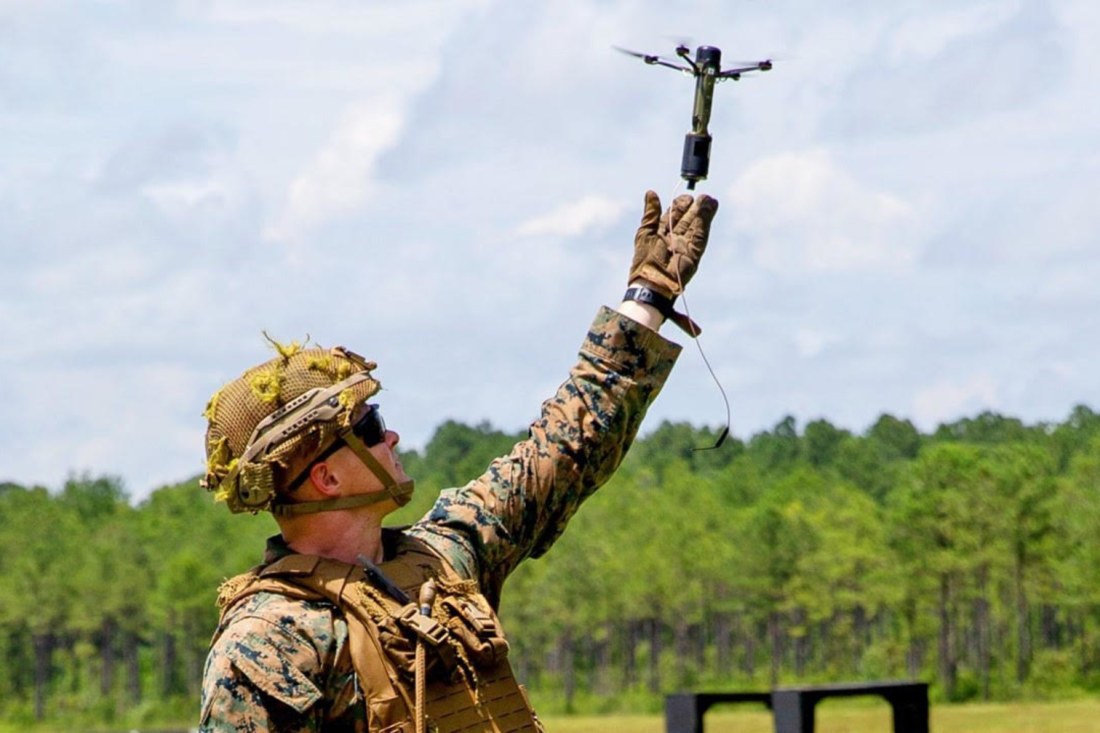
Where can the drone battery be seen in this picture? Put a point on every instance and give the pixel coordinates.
(696, 160)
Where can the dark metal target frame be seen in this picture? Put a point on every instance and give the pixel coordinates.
(707, 70)
(793, 707)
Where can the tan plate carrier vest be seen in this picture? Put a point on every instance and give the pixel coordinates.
(470, 685)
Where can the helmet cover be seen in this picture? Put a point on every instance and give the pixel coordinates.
(267, 426)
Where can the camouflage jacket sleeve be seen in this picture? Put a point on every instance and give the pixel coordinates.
(279, 664)
(521, 504)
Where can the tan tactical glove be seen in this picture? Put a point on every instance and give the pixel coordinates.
(666, 263)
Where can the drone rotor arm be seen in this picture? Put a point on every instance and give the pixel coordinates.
(745, 66)
(658, 61)
(653, 60)
(736, 73)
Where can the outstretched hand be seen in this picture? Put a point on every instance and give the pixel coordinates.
(667, 248)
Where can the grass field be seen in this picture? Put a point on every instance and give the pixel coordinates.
(1064, 717)
(832, 717)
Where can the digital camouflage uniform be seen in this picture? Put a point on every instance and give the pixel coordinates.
(280, 664)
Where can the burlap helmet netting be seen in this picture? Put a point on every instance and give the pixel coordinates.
(235, 411)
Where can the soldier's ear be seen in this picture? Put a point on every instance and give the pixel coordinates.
(324, 478)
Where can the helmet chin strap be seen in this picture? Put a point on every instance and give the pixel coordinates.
(400, 491)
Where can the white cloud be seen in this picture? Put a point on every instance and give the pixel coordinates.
(802, 211)
(178, 197)
(811, 342)
(147, 149)
(328, 17)
(112, 408)
(588, 214)
(110, 268)
(341, 175)
(927, 35)
(949, 398)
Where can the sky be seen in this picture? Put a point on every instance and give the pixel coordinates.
(909, 219)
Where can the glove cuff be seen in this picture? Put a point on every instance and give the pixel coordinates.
(642, 294)
(663, 304)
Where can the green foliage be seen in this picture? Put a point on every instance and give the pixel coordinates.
(895, 439)
(988, 428)
(779, 447)
(967, 557)
(822, 441)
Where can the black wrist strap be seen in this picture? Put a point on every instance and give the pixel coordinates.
(642, 294)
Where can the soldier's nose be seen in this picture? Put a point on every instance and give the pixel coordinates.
(392, 438)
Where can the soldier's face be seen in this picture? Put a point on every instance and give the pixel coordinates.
(386, 451)
(361, 479)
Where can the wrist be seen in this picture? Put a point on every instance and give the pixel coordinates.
(641, 313)
(644, 305)
(641, 291)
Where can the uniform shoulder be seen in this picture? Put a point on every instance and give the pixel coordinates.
(271, 619)
(267, 647)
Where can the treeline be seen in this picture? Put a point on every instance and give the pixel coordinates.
(967, 557)
(106, 609)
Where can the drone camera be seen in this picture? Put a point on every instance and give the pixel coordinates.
(696, 161)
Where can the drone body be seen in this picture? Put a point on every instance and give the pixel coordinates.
(707, 70)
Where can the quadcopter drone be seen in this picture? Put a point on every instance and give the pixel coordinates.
(707, 69)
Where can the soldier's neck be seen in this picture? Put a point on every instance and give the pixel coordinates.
(340, 535)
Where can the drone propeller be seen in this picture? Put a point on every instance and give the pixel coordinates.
(654, 60)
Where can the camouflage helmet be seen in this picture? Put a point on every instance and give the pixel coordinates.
(267, 426)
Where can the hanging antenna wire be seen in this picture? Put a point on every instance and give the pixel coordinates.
(698, 343)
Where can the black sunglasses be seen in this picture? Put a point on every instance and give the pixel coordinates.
(371, 428)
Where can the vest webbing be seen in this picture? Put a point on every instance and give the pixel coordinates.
(488, 699)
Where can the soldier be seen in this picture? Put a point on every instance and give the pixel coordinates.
(349, 626)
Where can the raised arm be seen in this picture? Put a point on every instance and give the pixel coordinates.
(521, 504)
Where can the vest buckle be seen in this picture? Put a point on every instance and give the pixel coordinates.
(425, 627)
